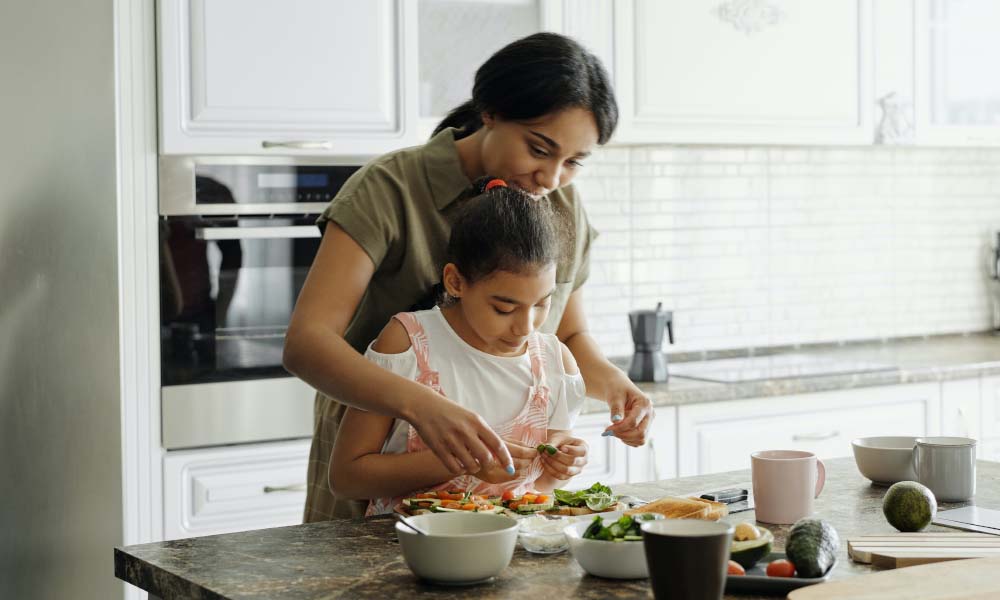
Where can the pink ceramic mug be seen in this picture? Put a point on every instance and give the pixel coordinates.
(785, 483)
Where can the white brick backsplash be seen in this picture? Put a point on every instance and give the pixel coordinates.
(760, 246)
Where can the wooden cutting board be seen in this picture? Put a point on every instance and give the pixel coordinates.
(974, 579)
(897, 550)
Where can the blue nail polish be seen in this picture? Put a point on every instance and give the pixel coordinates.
(510, 469)
(607, 433)
(616, 418)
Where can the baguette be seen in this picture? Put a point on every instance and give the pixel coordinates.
(673, 507)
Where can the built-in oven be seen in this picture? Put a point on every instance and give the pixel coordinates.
(237, 238)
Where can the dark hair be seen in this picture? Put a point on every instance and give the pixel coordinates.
(500, 229)
(535, 76)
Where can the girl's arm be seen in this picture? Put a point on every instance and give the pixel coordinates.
(631, 411)
(316, 352)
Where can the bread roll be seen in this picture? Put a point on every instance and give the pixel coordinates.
(673, 507)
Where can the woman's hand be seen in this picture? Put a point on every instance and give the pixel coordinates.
(569, 460)
(523, 457)
(631, 412)
(460, 438)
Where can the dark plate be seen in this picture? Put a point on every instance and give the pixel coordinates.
(757, 582)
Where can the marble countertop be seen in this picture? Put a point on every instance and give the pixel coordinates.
(934, 358)
(362, 559)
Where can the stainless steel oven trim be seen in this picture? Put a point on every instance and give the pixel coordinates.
(238, 412)
(176, 181)
(259, 233)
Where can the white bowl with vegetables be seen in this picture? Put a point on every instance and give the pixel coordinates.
(610, 545)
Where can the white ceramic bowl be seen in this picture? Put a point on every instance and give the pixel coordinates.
(460, 548)
(885, 459)
(614, 560)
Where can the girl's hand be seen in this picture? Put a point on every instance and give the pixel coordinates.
(568, 461)
(522, 455)
(460, 438)
(631, 412)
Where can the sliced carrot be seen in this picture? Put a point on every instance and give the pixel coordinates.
(541, 499)
(469, 506)
(529, 497)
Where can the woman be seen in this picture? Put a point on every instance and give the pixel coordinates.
(538, 108)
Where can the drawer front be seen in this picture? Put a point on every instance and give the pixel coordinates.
(234, 489)
(721, 438)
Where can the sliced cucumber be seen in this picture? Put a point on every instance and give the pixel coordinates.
(530, 508)
(419, 501)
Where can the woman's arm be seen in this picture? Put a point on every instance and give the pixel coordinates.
(359, 470)
(631, 410)
(316, 352)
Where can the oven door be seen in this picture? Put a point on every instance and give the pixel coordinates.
(228, 287)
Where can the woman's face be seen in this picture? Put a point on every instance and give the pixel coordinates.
(542, 155)
(497, 313)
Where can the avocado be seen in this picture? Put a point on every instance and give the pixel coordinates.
(909, 506)
(812, 547)
(749, 552)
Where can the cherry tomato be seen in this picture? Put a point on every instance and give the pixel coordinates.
(781, 568)
(735, 568)
(529, 498)
(541, 499)
(508, 495)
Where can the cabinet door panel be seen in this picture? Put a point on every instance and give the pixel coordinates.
(607, 456)
(239, 76)
(990, 394)
(731, 71)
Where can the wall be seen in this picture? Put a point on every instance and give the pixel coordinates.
(759, 246)
(60, 419)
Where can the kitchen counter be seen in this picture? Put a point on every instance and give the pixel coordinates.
(935, 358)
(362, 559)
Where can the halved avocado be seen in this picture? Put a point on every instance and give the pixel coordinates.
(748, 552)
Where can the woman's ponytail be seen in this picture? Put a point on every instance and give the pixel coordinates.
(465, 117)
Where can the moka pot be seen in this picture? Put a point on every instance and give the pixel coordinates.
(649, 363)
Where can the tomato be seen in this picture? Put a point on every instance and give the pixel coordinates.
(451, 504)
(427, 495)
(513, 505)
(781, 568)
(469, 506)
(508, 495)
(735, 568)
(541, 499)
(529, 498)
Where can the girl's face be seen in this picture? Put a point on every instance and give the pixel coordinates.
(497, 313)
(538, 156)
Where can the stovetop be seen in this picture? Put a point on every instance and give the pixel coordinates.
(776, 366)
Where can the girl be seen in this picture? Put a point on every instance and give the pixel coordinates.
(481, 349)
(539, 107)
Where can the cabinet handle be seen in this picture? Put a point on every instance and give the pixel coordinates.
(295, 487)
(815, 437)
(257, 233)
(298, 144)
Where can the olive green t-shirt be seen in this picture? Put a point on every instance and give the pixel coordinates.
(400, 207)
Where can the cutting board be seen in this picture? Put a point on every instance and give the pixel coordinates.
(974, 579)
(895, 550)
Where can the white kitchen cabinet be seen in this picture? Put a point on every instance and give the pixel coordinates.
(990, 394)
(957, 97)
(731, 71)
(235, 488)
(961, 402)
(273, 77)
(720, 436)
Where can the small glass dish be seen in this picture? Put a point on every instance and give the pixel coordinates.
(543, 543)
(540, 534)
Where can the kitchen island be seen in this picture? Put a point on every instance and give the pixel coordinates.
(362, 559)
